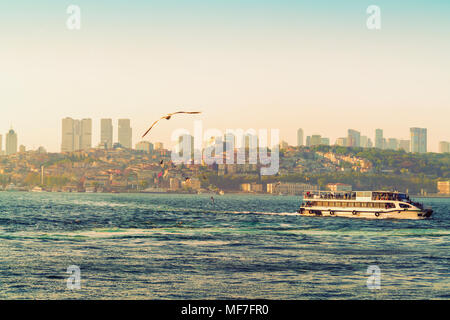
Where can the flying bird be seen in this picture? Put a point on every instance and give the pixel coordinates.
(167, 117)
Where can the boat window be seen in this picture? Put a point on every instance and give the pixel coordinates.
(404, 205)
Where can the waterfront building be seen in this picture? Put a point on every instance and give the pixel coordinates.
(443, 187)
(289, 188)
(336, 187)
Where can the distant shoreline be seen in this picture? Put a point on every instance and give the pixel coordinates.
(434, 196)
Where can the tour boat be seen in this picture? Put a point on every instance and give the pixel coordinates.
(362, 204)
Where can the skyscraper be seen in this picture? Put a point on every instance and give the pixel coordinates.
(67, 142)
(125, 133)
(379, 139)
(76, 134)
(325, 141)
(186, 146)
(353, 138)
(392, 144)
(418, 140)
(316, 139)
(230, 141)
(106, 133)
(364, 142)
(86, 134)
(300, 137)
(11, 142)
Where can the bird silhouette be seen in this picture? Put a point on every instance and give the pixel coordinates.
(167, 117)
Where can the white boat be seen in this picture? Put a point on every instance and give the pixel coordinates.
(362, 204)
(37, 189)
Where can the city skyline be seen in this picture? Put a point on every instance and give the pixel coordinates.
(280, 64)
(78, 135)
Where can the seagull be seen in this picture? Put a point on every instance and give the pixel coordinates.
(167, 117)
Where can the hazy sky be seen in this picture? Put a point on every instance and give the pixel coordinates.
(245, 64)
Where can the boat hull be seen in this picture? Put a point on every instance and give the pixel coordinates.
(392, 214)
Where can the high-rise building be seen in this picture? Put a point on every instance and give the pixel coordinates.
(308, 141)
(125, 133)
(444, 147)
(22, 148)
(392, 144)
(67, 142)
(1, 146)
(86, 134)
(186, 146)
(353, 138)
(379, 139)
(230, 141)
(385, 144)
(76, 134)
(300, 137)
(418, 140)
(364, 142)
(250, 141)
(325, 141)
(106, 133)
(316, 139)
(11, 142)
(405, 145)
(144, 146)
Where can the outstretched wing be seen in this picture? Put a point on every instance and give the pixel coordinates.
(187, 112)
(168, 117)
(151, 127)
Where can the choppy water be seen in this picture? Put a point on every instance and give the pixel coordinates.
(147, 246)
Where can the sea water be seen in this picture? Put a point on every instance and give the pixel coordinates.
(160, 246)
